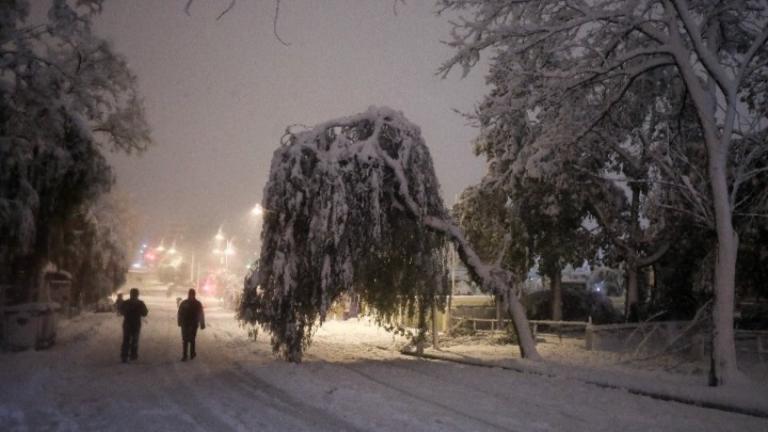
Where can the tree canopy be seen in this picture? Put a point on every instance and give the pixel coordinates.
(568, 66)
(65, 98)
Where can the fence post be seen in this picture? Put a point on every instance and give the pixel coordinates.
(435, 338)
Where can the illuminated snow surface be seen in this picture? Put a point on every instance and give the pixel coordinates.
(352, 378)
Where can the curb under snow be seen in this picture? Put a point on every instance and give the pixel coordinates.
(701, 396)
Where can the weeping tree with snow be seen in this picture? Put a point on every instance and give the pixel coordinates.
(353, 206)
(576, 60)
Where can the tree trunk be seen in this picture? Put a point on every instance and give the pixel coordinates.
(556, 286)
(492, 278)
(422, 330)
(724, 366)
(499, 312)
(435, 337)
(523, 331)
(631, 296)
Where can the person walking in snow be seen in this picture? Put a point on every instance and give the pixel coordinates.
(119, 304)
(133, 310)
(190, 317)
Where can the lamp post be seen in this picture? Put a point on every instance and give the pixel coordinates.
(223, 249)
(228, 251)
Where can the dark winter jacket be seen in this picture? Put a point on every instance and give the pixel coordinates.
(191, 314)
(133, 310)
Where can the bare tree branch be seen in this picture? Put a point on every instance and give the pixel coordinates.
(229, 8)
(274, 24)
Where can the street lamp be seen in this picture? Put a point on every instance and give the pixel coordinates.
(229, 251)
(257, 210)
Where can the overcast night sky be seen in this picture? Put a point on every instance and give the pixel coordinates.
(219, 94)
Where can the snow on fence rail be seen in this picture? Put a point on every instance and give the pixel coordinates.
(496, 324)
(651, 337)
(760, 338)
(678, 336)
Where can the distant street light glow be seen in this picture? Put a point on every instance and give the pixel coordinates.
(257, 210)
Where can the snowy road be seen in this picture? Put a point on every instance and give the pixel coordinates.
(347, 382)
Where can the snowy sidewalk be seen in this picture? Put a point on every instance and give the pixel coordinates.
(746, 398)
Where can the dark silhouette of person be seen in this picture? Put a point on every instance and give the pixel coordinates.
(133, 310)
(119, 303)
(190, 317)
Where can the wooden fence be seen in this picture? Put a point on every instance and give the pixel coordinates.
(613, 337)
(491, 324)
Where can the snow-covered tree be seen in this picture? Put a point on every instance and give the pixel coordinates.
(574, 61)
(353, 205)
(95, 246)
(491, 223)
(65, 97)
(550, 208)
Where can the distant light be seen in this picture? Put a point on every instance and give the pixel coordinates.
(216, 251)
(150, 256)
(172, 251)
(257, 210)
(136, 265)
(143, 245)
(219, 235)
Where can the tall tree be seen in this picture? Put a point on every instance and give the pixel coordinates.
(65, 98)
(579, 58)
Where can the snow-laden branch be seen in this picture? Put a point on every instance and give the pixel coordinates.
(706, 54)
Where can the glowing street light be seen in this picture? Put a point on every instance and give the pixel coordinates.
(219, 235)
(257, 210)
(161, 248)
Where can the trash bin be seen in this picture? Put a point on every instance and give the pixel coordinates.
(30, 325)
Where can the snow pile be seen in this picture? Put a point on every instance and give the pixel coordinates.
(344, 208)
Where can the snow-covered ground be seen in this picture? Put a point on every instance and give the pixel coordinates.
(353, 378)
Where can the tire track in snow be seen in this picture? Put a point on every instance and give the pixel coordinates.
(185, 397)
(415, 396)
(269, 396)
(315, 418)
